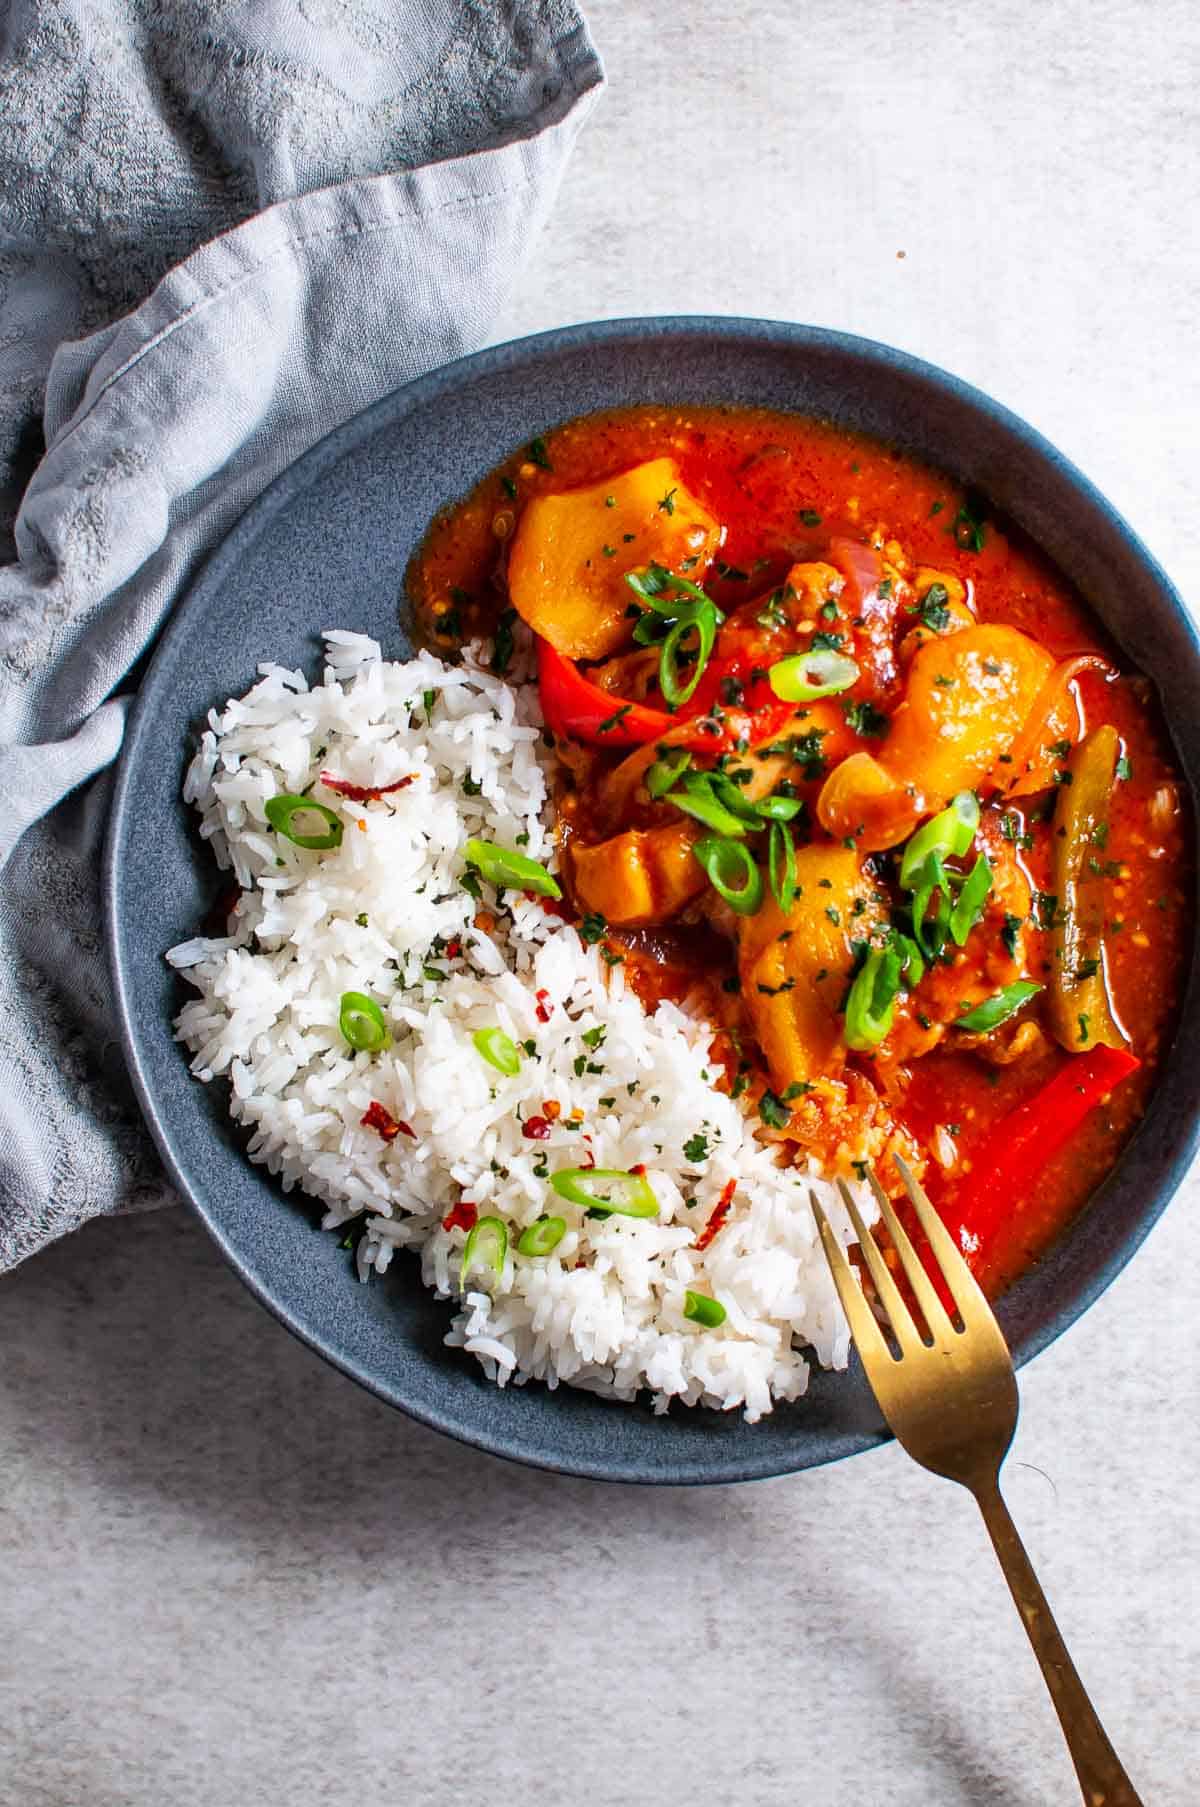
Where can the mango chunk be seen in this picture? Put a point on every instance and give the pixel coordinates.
(571, 551)
(794, 968)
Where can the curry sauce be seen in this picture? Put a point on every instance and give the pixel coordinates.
(775, 655)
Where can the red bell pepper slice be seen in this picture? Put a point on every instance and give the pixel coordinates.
(1015, 1150)
(578, 710)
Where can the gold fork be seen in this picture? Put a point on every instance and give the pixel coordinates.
(950, 1396)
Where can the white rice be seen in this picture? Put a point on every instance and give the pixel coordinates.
(605, 1310)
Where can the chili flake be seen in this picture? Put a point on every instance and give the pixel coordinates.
(364, 793)
(462, 1216)
(717, 1221)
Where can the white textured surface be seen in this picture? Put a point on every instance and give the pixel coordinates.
(231, 1577)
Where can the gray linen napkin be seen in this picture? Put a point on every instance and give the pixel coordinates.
(375, 173)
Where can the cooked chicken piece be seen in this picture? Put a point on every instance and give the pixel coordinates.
(643, 876)
(941, 605)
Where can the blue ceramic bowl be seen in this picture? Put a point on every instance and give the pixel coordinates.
(326, 546)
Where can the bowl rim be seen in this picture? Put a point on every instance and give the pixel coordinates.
(494, 360)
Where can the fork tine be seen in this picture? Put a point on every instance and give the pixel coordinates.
(868, 1337)
(889, 1293)
(964, 1288)
(935, 1313)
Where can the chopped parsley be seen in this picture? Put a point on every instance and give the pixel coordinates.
(810, 517)
(593, 927)
(509, 488)
(863, 718)
(502, 649)
(1009, 933)
(803, 749)
(361, 919)
(823, 642)
(1010, 828)
(932, 609)
(667, 504)
(774, 991)
(772, 614)
(1124, 767)
(594, 1038)
(695, 1149)
(1046, 905)
(773, 1111)
(969, 529)
(538, 454)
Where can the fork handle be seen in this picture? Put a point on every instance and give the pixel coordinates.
(1097, 1765)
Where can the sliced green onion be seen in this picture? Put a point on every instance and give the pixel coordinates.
(779, 809)
(947, 835)
(971, 899)
(487, 1245)
(703, 1310)
(503, 868)
(666, 771)
(685, 604)
(607, 1190)
(781, 865)
(704, 625)
(732, 872)
(931, 937)
(542, 1237)
(912, 963)
(651, 630)
(282, 813)
(361, 1022)
(994, 1011)
(499, 1050)
(871, 1004)
(807, 676)
(696, 797)
(660, 590)
(734, 799)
